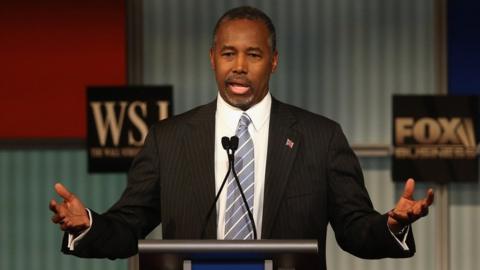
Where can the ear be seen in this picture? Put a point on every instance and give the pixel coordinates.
(274, 61)
(212, 56)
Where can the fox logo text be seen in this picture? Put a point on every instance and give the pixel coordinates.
(432, 138)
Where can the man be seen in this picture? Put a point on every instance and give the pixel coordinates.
(302, 174)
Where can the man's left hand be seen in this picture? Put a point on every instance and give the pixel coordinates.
(408, 210)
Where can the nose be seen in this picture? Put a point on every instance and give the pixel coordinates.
(241, 65)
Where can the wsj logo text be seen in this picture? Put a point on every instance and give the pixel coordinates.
(434, 138)
(121, 126)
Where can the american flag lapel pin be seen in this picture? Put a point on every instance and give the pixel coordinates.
(289, 143)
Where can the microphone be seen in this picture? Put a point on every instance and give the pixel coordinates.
(234, 146)
(234, 143)
(227, 145)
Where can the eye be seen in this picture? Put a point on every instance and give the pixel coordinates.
(254, 55)
(227, 54)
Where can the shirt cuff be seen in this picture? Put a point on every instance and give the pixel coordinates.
(401, 238)
(72, 240)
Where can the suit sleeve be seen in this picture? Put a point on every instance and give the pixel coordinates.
(115, 233)
(359, 229)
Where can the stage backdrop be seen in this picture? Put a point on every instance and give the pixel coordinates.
(463, 44)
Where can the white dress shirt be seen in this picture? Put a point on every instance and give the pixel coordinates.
(226, 121)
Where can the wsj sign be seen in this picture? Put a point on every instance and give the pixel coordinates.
(118, 119)
(435, 138)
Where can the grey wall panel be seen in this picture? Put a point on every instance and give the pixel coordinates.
(28, 239)
(464, 220)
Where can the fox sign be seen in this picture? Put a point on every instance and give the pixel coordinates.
(435, 138)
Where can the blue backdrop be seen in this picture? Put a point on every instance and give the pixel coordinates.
(463, 47)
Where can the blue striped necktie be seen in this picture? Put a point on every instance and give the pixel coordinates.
(237, 222)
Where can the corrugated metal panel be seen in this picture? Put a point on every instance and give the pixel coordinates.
(28, 239)
(464, 220)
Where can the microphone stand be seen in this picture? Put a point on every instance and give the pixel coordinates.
(227, 146)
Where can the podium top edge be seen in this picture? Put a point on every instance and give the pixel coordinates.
(228, 246)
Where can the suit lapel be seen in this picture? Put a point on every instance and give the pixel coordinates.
(199, 142)
(283, 143)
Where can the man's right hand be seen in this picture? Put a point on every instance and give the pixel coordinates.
(71, 215)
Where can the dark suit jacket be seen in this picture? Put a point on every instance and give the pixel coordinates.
(315, 182)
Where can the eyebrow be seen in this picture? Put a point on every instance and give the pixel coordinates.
(256, 49)
(226, 47)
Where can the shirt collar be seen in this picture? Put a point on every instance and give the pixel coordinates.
(258, 113)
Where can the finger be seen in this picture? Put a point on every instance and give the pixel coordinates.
(53, 205)
(422, 205)
(63, 192)
(65, 224)
(424, 212)
(59, 209)
(420, 212)
(68, 226)
(430, 197)
(409, 189)
(418, 205)
(57, 219)
(418, 209)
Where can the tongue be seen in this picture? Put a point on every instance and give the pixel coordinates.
(238, 89)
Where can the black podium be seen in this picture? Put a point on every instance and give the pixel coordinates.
(228, 254)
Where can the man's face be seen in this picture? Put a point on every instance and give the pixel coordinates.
(243, 61)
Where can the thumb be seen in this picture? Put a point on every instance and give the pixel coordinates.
(409, 189)
(63, 192)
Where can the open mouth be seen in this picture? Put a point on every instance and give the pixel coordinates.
(238, 87)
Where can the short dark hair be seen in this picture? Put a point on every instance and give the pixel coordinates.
(249, 13)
